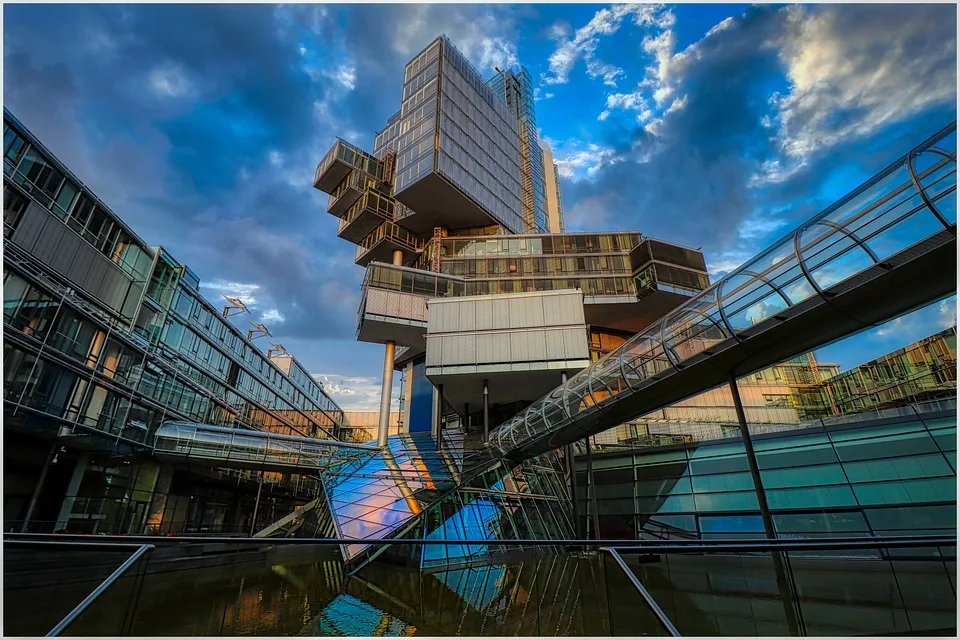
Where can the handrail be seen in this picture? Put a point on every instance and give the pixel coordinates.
(623, 545)
(71, 617)
(654, 607)
(781, 544)
(96, 593)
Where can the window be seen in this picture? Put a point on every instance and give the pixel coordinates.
(14, 204)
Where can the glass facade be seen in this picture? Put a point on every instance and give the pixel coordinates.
(874, 477)
(479, 141)
(924, 370)
(516, 91)
(70, 359)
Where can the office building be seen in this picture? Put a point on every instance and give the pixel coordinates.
(553, 203)
(456, 185)
(107, 337)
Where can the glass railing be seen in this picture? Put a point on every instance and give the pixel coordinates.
(910, 202)
(350, 157)
(59, 587)
(390, 232)
(299, 586)
(834, 587)
(372, 201)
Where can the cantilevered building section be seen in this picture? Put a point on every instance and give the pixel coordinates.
(552, 202)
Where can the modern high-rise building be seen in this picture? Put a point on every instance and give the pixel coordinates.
(456, 186)
(553, 203)
(106, 339)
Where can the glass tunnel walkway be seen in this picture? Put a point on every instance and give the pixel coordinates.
(243, 448)
(883, 250)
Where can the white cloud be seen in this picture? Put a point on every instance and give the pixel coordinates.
(853, 70)
(169, 81)
(586, 39)
(244, 291)
(272, 315)
(357, 392)
(485, 36)
(579, 163)
(628, 101)
(345, 76)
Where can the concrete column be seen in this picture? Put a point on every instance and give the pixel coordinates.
(466, 416)
(441, 411)
(385, 392)
(435, 415)
(486, 411)
(67, 508)
(398, 257)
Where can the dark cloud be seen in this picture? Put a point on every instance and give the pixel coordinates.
(170, 113)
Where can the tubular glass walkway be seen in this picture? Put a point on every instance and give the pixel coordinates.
(241, 448)
(885, 249)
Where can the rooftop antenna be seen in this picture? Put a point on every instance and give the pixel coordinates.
(258, 329)
(234, 304)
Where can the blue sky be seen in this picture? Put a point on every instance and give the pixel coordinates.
(713, 126)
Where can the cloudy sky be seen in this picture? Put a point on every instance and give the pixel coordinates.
(713, 126)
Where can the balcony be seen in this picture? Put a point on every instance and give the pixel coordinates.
(382, 242)
(366, 214)
(342, 158)
(346, 194)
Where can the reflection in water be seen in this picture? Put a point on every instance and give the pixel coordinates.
(299, 592)
(530, 597)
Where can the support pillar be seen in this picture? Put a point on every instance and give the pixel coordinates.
(787, 597)
(435, 416)
(486, 411)
(398, 257)
(466, 417)
(386, 390)
(752, 460)
(256, 506)
(592, 492)
(36, 490)
(440, 414)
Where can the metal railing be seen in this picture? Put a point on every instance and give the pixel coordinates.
(140, 551)
(623, 611)
(654, 607)
(778, 550)
(895, 210)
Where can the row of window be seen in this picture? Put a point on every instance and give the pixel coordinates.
(26, 165)
(479, 125)
(877, 521)
(606, 265)
(605, 243)
(596, 286)
(889, 465)
(32, 311)
(194, 311)
(453, 57)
